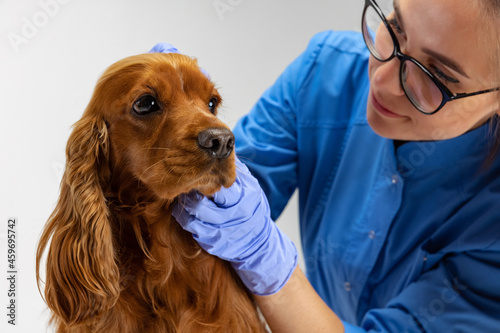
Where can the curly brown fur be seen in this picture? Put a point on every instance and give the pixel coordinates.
(117, 261)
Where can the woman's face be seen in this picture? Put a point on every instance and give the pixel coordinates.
(429, 30)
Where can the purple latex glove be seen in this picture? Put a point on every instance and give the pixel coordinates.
(169, 48)
(236, 226)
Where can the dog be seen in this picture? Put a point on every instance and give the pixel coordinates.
(116, 259)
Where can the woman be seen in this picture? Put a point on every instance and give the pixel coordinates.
(398, 177)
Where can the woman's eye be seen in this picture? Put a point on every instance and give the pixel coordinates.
(442, 76)
(212, 104)
(395, 25)
(145, 104)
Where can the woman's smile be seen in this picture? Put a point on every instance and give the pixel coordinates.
(382, 109)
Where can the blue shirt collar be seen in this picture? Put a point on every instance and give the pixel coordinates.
(472, 147)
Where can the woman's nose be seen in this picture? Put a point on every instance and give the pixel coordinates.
(386, 77)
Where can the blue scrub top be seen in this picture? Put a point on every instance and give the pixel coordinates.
(404, 240)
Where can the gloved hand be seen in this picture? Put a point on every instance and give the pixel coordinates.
(169, 48)
(236, 226)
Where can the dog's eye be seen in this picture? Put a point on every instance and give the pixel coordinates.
(145, 104)
(212, 104)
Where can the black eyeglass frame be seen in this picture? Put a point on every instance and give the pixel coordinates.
(446, 93)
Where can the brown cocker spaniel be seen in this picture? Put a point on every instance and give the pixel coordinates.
(116, 259)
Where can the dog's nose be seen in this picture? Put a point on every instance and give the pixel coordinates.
(218, 142)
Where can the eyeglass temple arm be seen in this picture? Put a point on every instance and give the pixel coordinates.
(462, 95)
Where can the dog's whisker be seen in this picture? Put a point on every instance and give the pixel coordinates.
(179, 179)
(152, 166)
(167, 173)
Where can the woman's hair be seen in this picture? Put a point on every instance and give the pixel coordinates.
(491, 17)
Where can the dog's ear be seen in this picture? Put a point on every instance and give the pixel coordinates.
(82, 277)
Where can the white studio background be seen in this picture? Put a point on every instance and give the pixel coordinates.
(51, 55)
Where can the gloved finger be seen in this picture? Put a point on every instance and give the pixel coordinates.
(240, 166)
(164, 48)
(189, 221)
(181, 215)
(206, 234)
(232, 195)
(196, 208)
(207, 75)
(228, 197)
(169, 48)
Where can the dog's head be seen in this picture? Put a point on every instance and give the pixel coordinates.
(151, 121)
(160, 111)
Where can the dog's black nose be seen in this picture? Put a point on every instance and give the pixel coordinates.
(218, 142)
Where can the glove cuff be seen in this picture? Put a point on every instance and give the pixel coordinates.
(270, 267)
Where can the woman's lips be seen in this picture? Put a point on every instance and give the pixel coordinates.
(382, 110)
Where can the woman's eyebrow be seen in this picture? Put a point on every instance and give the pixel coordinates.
(448, 62)
(399, 17)
(439, 57)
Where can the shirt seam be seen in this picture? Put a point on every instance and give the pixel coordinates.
(319, 207)
(314, 61)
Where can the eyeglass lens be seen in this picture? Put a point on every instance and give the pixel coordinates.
(418, 86)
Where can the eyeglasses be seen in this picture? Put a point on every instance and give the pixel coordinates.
(424, 90)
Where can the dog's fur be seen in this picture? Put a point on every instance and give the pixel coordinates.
(117, 261)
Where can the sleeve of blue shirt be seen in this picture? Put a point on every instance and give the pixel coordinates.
(452, 297)
(451, 294)
(460, 292)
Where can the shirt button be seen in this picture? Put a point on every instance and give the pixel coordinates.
(347, 286)
(394, 179)
(371, 234)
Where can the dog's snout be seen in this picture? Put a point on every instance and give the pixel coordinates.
(218, 142)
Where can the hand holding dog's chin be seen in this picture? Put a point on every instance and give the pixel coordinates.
(210, 190)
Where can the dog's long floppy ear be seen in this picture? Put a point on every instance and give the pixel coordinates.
(82, 277)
